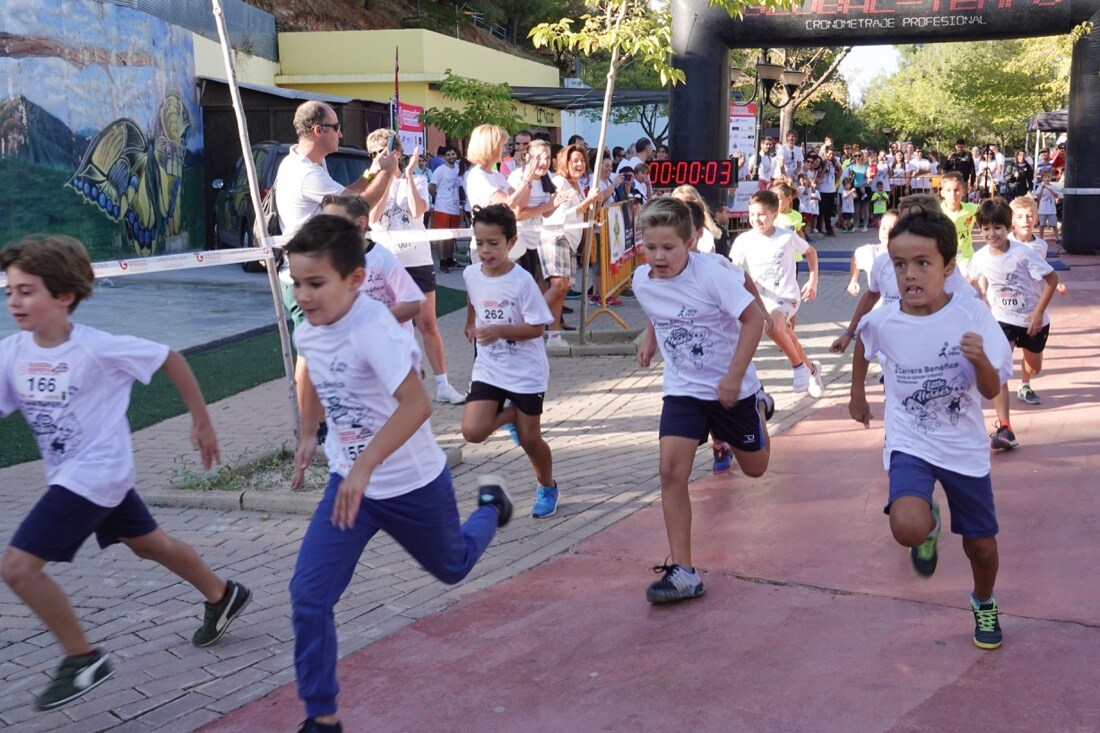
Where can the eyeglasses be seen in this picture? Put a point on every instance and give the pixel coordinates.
(334, 125)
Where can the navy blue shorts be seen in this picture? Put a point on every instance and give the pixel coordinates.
(61, 520)
(691, 417)
(969, 497)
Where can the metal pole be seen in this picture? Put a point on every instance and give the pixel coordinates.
(254, 192)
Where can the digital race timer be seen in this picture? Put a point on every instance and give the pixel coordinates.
(692, 173)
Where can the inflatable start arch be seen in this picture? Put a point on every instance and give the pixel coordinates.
(702, 36)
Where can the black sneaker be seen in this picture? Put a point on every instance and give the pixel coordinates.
(566, 309)
(220, 615)
(678, 584)
(769, 403)
(987, 626)
(74, 677)
(1003, 438)
(490, 492)
(309, 725)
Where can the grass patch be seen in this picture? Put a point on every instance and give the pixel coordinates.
(222, 372)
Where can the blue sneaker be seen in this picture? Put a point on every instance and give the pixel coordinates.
(723, 459)
(546, 501)
(511, 428)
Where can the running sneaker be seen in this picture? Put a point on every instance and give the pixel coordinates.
(723, 458)
(546, 501)
(1026, 394)
(573, 295)
(74, 677)
(309, 725)
(219, 615)
(816, 386)
(769, 403)
(1002, 438)
(987, 626)
(800, 381)
(512, 432)
(446, 393)
(614, 302)
(678, 584)
(594, 299)
(924, 558)
(566, 309)
(490, 492)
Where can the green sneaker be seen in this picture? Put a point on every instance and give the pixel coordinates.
(924, 557)
(74, 677)
(218, 616)
(987, 627)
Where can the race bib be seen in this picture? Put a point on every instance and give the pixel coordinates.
(43, 381)
(353, 441)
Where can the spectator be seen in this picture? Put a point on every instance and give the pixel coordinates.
(962, 162)
(761, 164)
(662, 152)
(793, 157)
(643, 151)
(827, 176)
(447, 212)
(518, 158)
(1019, 176)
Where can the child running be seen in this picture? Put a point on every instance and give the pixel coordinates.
(386, 470)
(1009, 273)
(1048, 206)
(865, 255)
(707, 327)
(1024, 215)
(72, 384)
(961, 213)
(767, 253)
(505, 319)
(940, 354)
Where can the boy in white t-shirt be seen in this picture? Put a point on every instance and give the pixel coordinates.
(386, 470)
(864, 256)
(386, 280)
(707, 327)
(403, 212)
(72, 384)
(447, 207)
(767, 253)
(1048, 206)
(1009, 274)
(1025, 212)
(505, 319)
(940, 354)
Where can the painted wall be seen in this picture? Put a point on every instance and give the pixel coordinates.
(359, 64)
(100, 129)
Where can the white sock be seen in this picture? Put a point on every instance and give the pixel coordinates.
(800, 366)
(441, 379)
(553, 336)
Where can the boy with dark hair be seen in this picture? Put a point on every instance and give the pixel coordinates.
(72, 384)
(1009, 273)
(940, 354)
(386, 470)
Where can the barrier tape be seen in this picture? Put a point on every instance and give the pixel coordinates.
(409, 236)
(165, 263)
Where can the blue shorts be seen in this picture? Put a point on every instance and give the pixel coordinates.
(691, 417)
(61, 520)
(969, 497)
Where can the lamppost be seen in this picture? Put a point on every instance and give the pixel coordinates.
(767, 76)
(888, 131)
(818, 115)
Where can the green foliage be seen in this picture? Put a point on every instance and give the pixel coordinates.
(980, 91)
(483, 103)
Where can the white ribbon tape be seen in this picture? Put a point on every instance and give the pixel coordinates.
(181, 261)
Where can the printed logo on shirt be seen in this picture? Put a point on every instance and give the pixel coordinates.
(57, 439)
(935, 398)
(353, 422)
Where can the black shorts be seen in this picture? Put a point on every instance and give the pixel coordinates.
(1018, 336)
(423, 276)
(61, 520)
(528, 404)
(691, 417)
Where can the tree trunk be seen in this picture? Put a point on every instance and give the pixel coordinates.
(786, 119)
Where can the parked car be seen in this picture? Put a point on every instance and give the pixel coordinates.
(233, 213)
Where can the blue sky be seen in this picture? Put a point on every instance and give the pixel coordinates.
(863, 64)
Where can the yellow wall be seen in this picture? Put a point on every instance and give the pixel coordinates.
(250, 69)
(359, 64)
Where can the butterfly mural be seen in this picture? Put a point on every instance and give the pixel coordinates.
(135, 179)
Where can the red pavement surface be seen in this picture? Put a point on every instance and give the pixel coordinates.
(812, 621)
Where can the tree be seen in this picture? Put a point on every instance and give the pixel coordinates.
(483, 103)
(630, 76)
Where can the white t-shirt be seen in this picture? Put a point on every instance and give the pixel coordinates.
(897, 173)
(388, 282)
(848, 201)
(922, 182)
(446, 181)
(696, 318)
(706, 242)
(792, 160)
(529, 230)
(630, 163)
(770, 261)
(826, 182)
(567, 212)
(74, 398)
(300, 184)
(1000, 158)
(482, 184)
(1036, 245)
(398, 218)
(356, 365)
(813, 202)
(933, 407)
(884, 281)
(765, 166)
(1048, 206)
(865, 257)
(1014, 282)
(510, 299)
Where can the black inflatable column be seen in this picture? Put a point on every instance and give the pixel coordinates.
(1081, 211)
(699, 109)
